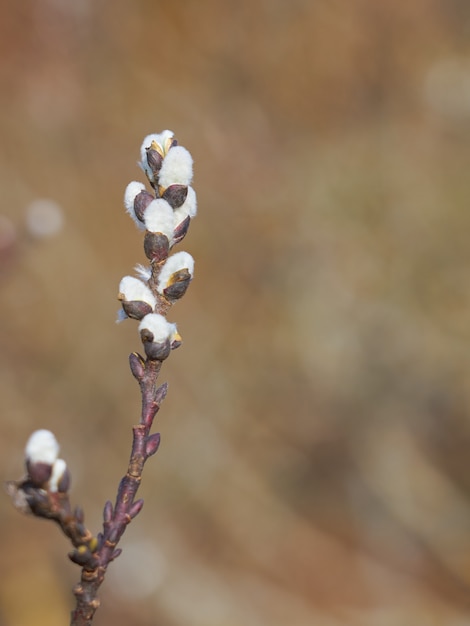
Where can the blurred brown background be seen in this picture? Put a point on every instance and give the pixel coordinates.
(315, 458)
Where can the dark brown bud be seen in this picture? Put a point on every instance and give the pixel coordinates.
(154, 160)
(156, 246)
(39, 473)
(175, 195)
(181, 230)
(136, 309)
(137, 365)
(64, 482)
(141, 202)
(154, 351)
(178, 284)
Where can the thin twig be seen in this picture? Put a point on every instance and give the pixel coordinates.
(126, 507)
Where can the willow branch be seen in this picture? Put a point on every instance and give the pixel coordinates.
(165, 215)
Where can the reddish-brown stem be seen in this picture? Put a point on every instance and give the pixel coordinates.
(126, 507)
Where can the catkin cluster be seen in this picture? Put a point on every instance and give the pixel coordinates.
(164, 214)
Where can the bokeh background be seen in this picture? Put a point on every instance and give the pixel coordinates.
(315, 457)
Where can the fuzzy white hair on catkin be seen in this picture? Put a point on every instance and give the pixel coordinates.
(58, 470)
(159, 218)
(132, 289)
(174, 263)
(42, 447)
(158, 326)
(177, 167)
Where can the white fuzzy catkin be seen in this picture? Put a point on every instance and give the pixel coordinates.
(158, 326)
(42, 447)
(132, 191)
(58, 470)
(189, 207)
(162, 140)
(173, 264)
(177, 168)
(159, 218)
(131, 289)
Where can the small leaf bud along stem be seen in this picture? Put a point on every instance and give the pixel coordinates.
(164, 215)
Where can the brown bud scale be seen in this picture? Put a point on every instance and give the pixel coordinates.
(156, 246)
